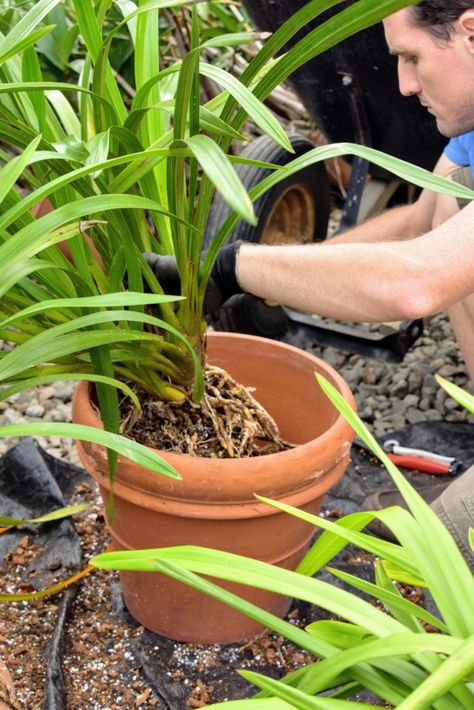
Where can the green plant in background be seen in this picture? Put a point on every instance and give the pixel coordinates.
(127, 175)
(61, 51)
(402, 653)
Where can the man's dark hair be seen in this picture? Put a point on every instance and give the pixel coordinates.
(438, 16)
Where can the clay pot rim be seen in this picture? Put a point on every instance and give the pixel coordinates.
(337, 427)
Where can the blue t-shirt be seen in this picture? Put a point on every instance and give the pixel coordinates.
(460, 150)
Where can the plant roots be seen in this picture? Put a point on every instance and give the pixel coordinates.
(227, 423)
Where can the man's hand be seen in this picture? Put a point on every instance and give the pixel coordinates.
(166, 271)
(223, 282)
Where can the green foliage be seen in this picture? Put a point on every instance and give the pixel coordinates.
(405, 655)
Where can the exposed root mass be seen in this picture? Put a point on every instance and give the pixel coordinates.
(227, 423)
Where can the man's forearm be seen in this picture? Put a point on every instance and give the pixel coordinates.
(398, 224)
(353, 282)
(342, 278)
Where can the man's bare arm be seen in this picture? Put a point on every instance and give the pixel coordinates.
(367, 281)
(400, 223)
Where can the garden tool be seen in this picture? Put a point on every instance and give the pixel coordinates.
(421, 460)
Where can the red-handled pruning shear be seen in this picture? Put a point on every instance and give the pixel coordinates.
(421, 460)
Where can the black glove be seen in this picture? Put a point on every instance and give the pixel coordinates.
(223, 282)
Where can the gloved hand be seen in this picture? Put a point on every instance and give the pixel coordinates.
(223, 282)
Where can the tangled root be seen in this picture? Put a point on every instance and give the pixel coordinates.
(227, 423)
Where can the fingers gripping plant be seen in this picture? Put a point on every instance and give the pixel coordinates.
(128, 173)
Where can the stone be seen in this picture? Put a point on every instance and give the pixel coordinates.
(35, 410)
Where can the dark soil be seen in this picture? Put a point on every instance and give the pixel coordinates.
(227, 423)
(108, 661)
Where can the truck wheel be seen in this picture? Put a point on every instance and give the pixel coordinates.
(296, 211)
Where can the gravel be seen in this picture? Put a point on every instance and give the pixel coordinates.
(390, 395)
(50, 403)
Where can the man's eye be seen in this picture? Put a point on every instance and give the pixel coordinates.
(410, 59)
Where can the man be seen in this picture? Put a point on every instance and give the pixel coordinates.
(417, 259)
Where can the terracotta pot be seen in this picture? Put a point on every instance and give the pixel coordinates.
(214, 505)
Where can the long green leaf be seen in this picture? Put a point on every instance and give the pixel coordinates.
(389, 598)
(12, 170)
(339, 633)
(106, 300)
(137, 453)
(28, 383)
(443, 567)
(465, 399)
(70, 177)
(350, 20)
(380, 548)
(59, 341)
(328, 544)
(53, 348)
(90, 29)
(401, 168)
(386, 584)
(25, 43)
(456, 668)
(402, 644)
(260, 574)
(232, 39)
(392, 689)
(296, 698)
(406, 171)
(295, 634)
(26, 26)
(254, 108)
(253, 704)
(58, 514)
(31, 239)
(31, 71)
(216, 165)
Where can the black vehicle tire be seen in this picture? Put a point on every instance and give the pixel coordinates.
(293, 212)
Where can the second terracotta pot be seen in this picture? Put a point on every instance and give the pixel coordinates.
(214, 504)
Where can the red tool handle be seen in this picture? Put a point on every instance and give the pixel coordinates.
(420, 464)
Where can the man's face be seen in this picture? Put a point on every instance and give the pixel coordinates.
(440, 73)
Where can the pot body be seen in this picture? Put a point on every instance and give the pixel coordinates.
(214, 504)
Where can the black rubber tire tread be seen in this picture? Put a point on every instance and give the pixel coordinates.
(245, 313)
(263, 148)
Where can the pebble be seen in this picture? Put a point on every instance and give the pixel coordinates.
(35, 411)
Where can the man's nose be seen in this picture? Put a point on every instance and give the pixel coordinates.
(408, 80)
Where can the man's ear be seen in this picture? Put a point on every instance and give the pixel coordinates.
(465, 26)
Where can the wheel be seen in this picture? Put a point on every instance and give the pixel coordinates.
(296, 211)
